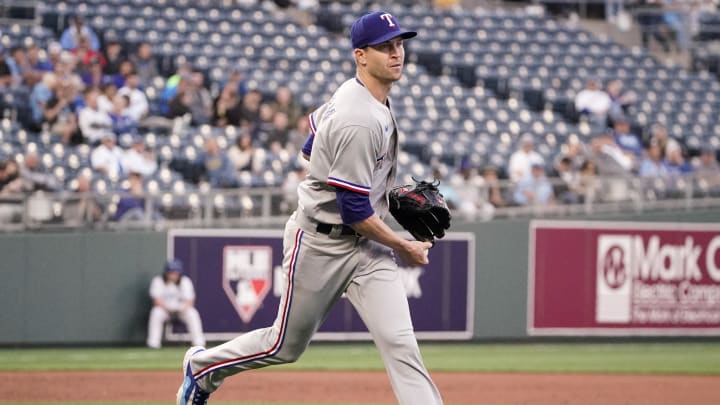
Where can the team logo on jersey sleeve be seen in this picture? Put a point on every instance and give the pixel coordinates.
(247, 277)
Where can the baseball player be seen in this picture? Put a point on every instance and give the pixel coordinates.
(336, 241)
(173, 297)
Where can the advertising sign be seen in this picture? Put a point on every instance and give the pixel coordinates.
(623, 278)
(238, 282)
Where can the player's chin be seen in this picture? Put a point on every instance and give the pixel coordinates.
(395, 73)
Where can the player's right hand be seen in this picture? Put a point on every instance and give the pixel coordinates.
(415, 253)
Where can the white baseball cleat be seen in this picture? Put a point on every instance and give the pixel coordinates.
(189, 392)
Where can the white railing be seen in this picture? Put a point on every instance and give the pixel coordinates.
(269, 206)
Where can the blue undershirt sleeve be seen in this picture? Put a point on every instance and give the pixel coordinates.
(307, 147)
(354, 207)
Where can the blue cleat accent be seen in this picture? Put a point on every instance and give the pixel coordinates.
(190, 393)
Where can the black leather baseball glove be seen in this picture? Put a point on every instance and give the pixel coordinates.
(421, 210)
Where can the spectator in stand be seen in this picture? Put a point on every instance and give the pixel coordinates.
(39, 97)
(94, 123)
(237, 80)
(107, 157)
(138, 159)
(34, 177)
(10, 180)
(675, 161)
(620, 100)
(131, 206)
(612, 162)
(534, 188)
(126, 69)
(298, 134)
(574, 150)
(279, 132)
(107, 94)
(35, 62)
(659, 135)
(114, 56)
(492, 183)
(5, 74)
(263, 128)
(201, 102)
(54, 50)
(626, 140)
(249, 109)
(18, 64)
(145, 63)
(173, 84)
(122, 121)
(180, 104)
(225, 107)
(708, 170)
(469, 187)
(77, 29)
(522, 159)
(81, 208)
(565, 179)
(284, 102)
(218, 167)
(652, 164)
(94, 76)
(139, 106)
(587, 184)
(609, 158)
(36, 67)
(65, 66)
(242, 155)
(86, 56)
(289, 188)
(59, 113)
(593, 102)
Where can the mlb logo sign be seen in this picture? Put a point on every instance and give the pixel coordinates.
(247, 277)
(614, 279)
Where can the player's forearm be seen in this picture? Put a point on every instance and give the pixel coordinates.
(375, 229)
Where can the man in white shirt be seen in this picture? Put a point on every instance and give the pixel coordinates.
(139, 106)
(173, 297)
(138, 159)
(93, 121)
(107, 156)
(522, 159)
(593, 102)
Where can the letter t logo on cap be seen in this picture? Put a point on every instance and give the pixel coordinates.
(389, 18)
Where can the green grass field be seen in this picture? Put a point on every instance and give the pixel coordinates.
(613, 358)
(643, 358)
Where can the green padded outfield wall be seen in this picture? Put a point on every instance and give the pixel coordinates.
(77, 288)
(91, 288)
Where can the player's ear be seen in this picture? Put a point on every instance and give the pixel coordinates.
(360, 56)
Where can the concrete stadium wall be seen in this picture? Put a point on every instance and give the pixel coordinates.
(91, 288)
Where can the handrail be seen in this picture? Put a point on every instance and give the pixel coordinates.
(243, 207)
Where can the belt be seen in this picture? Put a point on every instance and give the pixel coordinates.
(336, 230)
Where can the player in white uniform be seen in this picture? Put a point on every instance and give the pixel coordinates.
(337, 241)
(173, 297)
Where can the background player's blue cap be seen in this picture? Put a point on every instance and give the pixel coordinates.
(174, 265)
(375, 28)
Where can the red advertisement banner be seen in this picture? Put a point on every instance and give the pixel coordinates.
(623, 278)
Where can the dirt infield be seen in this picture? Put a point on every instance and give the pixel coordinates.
(317, 387)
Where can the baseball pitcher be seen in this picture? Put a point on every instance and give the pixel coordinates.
(336, 241)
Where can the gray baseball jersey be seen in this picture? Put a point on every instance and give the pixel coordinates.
(355, 147)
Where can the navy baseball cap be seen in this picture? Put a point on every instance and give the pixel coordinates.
(174, 265)
(375, 28)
